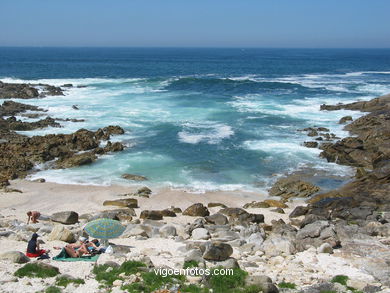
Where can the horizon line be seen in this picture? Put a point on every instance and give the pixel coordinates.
(193, 47)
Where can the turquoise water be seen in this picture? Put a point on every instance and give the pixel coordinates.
(200, 119)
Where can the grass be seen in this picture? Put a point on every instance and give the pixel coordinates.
(287, 285)
(53, 289)
(34, 270)
(226, 283)
(107, 274)
(64, 281)
(190, 264)
(341, 279)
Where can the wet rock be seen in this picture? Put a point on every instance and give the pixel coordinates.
(345, 119)
(310, 144)
(217, 219)
(134, 177)
(61, 233)
(128, 203)
(151, 215)
(76, 160)
(217, 251)
(196, 210)
(66, 218)
(14, 257)
(17, 91)
(292, 187)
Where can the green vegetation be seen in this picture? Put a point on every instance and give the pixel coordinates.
(107, 274)
(287, 285)
(341, 279)
(34, 270)
(190, 264)
(53, 289)
(221, 283)
(64, 281)
(150, 281)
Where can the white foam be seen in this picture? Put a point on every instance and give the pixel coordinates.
(207, 132)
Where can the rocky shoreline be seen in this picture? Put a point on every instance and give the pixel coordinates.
(300, 240)
(19, 153)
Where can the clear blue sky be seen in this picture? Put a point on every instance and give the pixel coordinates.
(197, 23)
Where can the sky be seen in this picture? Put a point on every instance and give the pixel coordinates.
(197, 23)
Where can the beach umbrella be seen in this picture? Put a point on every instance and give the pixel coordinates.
(104, 228)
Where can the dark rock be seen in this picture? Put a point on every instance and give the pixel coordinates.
(76, 160)
(17, 91)
(66, 218)
(345, 119)
(310, 144)
(215, 204)
(256, 204)
(151, 215)
(217, 251)
(292, 187)
(196, 210)
(168, 213)
(299, 211)
(143, 192)
(263, 282)
(134, 177)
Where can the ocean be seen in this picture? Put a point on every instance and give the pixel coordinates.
(200, 119)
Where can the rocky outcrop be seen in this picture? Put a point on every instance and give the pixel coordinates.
(20, 153)
(28, 91)
(292, 186)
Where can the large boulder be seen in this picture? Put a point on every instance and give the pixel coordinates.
(125, 214)
(61, 233)
(66, 218)
(276, 203)
(238, 216)
(14, 256)
(196, 210)
(126, 202)
(168, 231)
(217, 251)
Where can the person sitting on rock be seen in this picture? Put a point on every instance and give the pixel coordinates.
(33, 249)
(33, 216)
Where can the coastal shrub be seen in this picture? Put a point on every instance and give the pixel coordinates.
(287, 285)
(153, 281)
(64, 281)
(33, 270)
(225, 283)
(194, 289)
(190, 264)
(131, 267)
(341, 279)
(53, 289)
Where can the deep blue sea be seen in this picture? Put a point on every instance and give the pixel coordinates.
(199, 119)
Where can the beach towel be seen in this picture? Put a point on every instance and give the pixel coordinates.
(63, 256)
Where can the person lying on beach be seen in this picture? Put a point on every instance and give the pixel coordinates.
(33, 216)
(33, 249)
(83, 246)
